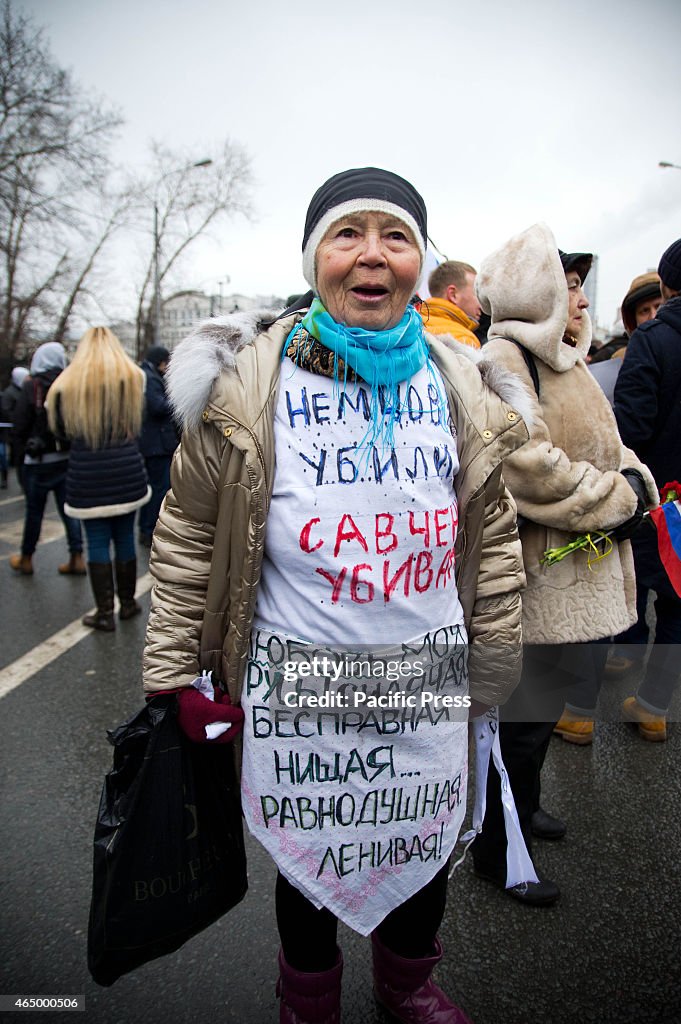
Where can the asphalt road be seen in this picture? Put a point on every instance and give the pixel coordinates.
(607, 953)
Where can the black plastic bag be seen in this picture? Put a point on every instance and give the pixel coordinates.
(169, 854)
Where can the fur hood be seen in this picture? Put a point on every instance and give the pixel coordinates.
(522, 287)
(212, 347)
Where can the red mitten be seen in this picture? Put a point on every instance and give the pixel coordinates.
(195, 712)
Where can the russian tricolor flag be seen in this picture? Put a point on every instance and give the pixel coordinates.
(667, 519)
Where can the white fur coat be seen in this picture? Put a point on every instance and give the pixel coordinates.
(567, 479)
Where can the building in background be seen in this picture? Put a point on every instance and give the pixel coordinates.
(591, 290)
(182, 311)
(127, 335)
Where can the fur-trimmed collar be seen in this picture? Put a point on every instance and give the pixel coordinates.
(522, 287)
(213, 345)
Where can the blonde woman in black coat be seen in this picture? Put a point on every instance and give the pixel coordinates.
(97, 402)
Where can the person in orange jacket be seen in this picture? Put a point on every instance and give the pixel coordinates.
(453, 307)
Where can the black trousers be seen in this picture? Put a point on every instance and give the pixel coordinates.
(523, 749)
(308, 935)
(526, 725)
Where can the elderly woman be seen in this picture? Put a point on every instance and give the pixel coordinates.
(574, 476)
(338, 486)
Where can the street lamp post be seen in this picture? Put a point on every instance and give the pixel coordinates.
(157, 246)
(224, 280)
(157, 282)
(665, 163)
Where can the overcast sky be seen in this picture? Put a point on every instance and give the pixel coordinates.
(500, 114)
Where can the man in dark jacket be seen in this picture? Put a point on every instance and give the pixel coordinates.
(8, 402)
(639, 305)
(648, 412)
(158, 439)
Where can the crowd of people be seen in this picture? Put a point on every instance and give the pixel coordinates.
(99, 435)
(364, 469)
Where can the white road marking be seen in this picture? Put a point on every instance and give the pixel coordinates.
(52, 648)
(8, 501)
(52, 529)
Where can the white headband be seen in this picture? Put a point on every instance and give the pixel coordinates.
(345, 209)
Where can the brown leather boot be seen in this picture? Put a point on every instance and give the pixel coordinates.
(126, 580)
(575, 728)
(22, 564)
(651, 727)
(101, 580)
(74, 567)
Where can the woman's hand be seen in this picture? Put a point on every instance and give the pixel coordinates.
(195, 712)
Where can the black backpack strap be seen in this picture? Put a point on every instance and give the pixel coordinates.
(38, 394)
(529, 363)
(302, 302)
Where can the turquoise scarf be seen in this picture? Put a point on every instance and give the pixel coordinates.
(384, 359)
(378, 357)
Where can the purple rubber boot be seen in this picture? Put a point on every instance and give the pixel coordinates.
(405, 989)
(309, 998)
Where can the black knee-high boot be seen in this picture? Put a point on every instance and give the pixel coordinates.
(101, 580)
(126, 580)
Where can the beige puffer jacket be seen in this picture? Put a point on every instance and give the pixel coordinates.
(209, 542)
(567, 479)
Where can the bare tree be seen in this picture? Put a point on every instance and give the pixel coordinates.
(113, 213)
(54, 146)
(189, 197)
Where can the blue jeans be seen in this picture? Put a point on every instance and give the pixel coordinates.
(158, 472)
(101, 532)
(38, 481)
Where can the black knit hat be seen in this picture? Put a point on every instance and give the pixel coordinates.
(578, 261)
(362, 188)
(156, 354)
(670, 266)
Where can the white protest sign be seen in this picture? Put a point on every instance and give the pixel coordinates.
(359, 803)
(359, 806)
